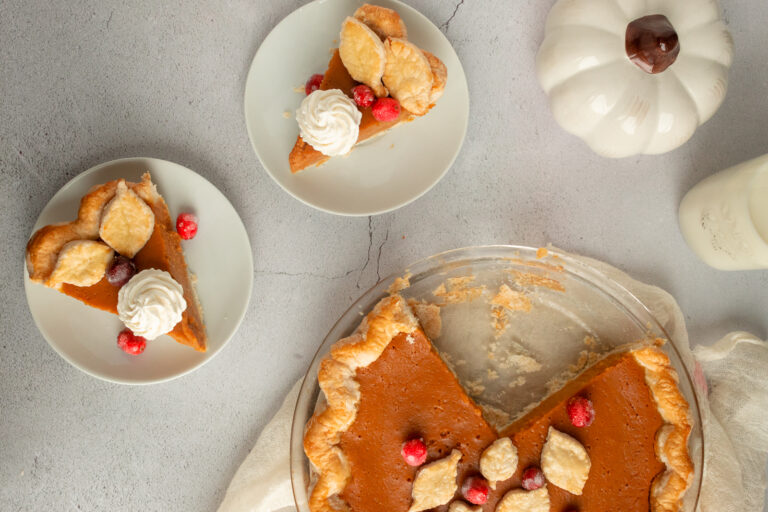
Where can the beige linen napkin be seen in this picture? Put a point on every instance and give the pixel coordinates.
(732, 386)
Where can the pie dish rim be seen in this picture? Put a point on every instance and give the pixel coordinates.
(309, 387)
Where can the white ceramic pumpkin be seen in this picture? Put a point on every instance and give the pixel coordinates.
(615, 78)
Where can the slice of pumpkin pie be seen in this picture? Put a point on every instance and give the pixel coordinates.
(126, 225)
(375, 80)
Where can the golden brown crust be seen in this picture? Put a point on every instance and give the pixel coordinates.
(127, 222)
(336, 377)
(81, 263)
(669, 487)
(46, 243)
(384, 22)
(439, 77)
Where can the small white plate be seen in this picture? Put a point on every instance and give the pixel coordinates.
(220, 256)
(379, 176)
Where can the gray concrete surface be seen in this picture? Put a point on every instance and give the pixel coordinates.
(84, 81)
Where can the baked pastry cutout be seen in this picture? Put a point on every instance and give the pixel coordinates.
(408, 75)
(81, 263)
(439, 77)
(363, 54)
(127, 222)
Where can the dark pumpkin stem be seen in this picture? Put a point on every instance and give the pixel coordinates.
(651, 43)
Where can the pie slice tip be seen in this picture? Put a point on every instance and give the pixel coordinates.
(303, 155)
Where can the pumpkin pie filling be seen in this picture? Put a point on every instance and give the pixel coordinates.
(408, 392)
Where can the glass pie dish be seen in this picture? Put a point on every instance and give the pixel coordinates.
(575, 313)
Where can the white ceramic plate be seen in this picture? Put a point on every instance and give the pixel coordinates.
(381, 175)
(220, 256)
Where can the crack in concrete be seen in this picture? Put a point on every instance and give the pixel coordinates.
(370, 246)
(360, 270)
(444, 26)
(304, 274)
(378, 258)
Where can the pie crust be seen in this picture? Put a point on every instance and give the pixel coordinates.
(391, 317)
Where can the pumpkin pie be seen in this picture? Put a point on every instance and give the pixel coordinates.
(386, 384)
(72, 257)
(375, 48)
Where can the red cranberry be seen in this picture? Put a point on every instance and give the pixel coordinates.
(386, 109)
(186, 226)
(414, 452)
(130, 343)
(533, 479)
(120, 271)
(581, 411)
(475, 490)
(313, 84)
(363, 95)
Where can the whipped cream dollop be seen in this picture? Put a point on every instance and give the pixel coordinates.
(151, 303)
(329, 121)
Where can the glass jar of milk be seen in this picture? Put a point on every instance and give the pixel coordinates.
(724, 218)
